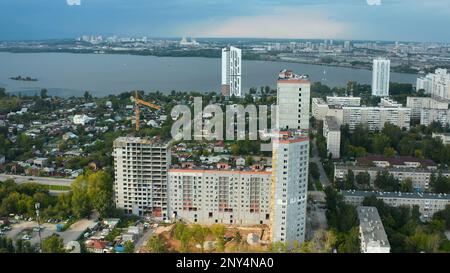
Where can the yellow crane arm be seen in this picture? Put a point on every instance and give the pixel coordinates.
(137, 111)
(148, 104)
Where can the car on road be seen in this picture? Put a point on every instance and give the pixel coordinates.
(26, 237)
(37, 229)
(30, 179)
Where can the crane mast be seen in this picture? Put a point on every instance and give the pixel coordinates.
(137, 111)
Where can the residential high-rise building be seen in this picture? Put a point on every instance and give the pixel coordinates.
(380, 77)
(221, 195)
(231, 71)
(436, 84)
(293, 95)
(140, 176)
(290, 163)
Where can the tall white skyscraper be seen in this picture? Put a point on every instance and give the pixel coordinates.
(380, 77)
(140, 176)
(293, 94)
(290, 161)
(231, 71)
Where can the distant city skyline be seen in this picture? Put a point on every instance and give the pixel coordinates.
(387, 20)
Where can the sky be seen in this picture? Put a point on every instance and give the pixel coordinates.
(380, 20)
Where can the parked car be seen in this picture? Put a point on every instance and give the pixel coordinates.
(26, 237)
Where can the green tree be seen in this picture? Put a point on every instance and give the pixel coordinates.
(363, 180)
(219, 233)
(199, 234)
(380, 143)
(53, 244)
(157, 244)
(81, 204)
(128, 247)
(100, 192)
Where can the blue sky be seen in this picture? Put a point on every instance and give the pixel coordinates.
(405, 20)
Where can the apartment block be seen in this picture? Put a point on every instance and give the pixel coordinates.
(376, 117)
(290, 163)
(428, 203)
(373, 237)
(343, 101)
(332, 133)
(221, 195)
(293, 100)
(140, 176)
(416, 104)
(428, 116)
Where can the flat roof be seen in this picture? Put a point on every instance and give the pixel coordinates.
(408, 195)
(332, 123)
(372, 227)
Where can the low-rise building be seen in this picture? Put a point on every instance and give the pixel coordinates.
(420, 177)
(373, 238)
(428, 203)
(343, 101)
(445, 137)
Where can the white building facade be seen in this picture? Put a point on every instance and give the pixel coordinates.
(231, 71)
(376, 117)
(416, 104)
(207, 196)
(290, 163)
(332, 133)
(140, 176)
(293, 100)
(436, 84)
(380, 77)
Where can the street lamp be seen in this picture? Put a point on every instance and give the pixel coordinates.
(37, 206)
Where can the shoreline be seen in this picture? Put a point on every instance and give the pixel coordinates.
(147, 53)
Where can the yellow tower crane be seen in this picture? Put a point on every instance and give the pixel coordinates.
(137, 103)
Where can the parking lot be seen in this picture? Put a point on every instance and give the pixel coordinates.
(19, 230)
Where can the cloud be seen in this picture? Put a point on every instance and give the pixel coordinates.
(280, 23)
(374, 2)
(73, 2)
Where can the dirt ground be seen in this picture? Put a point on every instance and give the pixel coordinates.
(230, 246)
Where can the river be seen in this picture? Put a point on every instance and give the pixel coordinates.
(67, 74)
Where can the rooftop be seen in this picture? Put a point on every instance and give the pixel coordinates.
(399, 160)
(288, 76)
(371, 227)
(332, 123)
(409, 195)
(138, 140)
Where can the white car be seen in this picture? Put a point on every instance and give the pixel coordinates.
(26, 237)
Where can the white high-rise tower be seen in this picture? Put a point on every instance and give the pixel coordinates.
(290, 163)
(380, 77)
(293, 95)
(231, 71)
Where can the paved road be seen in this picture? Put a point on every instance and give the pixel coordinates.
(142, 241)
(35, 179)
(316, 159)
